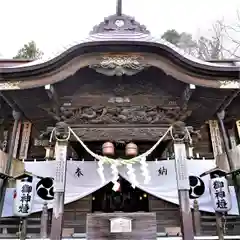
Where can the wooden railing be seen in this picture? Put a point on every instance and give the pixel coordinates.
(231, 223)
(10, 227)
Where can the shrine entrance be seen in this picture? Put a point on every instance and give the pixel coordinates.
(124, 199)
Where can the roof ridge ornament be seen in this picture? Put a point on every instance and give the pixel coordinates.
(119, 8)
(119, 23)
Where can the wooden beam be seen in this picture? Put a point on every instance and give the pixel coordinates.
(186, 95)
(72, 66)
(11, 103)
(228, 100)
(53, 96)
(127, 133)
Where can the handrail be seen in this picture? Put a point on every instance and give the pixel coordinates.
(158, 238)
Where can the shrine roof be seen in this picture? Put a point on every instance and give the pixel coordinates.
(119, 33)
(125, 38)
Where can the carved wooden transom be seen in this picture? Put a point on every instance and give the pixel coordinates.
(121, 115)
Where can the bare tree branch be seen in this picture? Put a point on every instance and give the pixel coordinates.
(220, 45)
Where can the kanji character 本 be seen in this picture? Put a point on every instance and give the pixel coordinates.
(220, 194)
(78, 172)
(26, 188)
(218, 184)
(23, 208)
(162, 171)
(221, 203)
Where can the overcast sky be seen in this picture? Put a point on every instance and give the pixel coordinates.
(55, 23)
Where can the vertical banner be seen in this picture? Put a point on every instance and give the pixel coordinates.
(181, 166)
(215, 138)
(23, 197)
(61, 162)
(16, 141)
(26, 133)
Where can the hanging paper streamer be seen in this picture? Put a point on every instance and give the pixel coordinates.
(132, 176)
(144, 169)
(100, 171)
(115, 174)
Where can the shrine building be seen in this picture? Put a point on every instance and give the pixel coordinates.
(120, 90)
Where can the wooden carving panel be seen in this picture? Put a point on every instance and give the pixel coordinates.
(122, 115)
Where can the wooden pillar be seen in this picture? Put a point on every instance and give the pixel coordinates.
(62, 135)
(196, 218)
(23, 232)
(238, 128)
(44, 222)
(220, 156)
(219, 226)
(16, 117)
(183, 183)
(223, 132)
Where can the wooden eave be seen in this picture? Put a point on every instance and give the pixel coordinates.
(195, 68)
(30, 101)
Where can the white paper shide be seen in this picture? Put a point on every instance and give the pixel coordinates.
(23, 198)
(221, 197)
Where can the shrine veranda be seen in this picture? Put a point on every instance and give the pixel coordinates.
(144, 99)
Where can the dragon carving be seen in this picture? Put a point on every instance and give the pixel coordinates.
(118, 115)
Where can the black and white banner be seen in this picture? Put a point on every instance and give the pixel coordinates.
(83, 179)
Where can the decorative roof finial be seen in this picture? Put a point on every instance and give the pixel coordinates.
(119, 8)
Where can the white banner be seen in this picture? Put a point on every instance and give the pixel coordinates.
(163, 183)
(83, 179)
